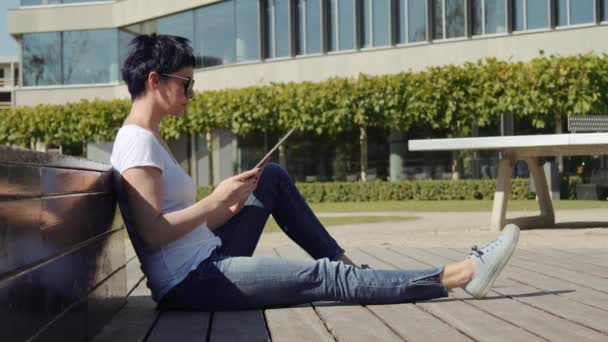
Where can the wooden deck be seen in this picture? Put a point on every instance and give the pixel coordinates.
(543, 295)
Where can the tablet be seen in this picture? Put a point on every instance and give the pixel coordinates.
(269, 154)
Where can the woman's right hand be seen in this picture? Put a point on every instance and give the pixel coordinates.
(233, 191)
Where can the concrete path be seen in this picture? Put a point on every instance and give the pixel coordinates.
(576, 229)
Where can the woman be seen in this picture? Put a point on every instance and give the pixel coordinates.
(197, 255)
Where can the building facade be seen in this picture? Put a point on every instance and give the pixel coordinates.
(9, 74)
(72, 50)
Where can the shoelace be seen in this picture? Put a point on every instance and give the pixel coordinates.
(479, 253)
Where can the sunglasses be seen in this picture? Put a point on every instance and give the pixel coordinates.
(188, 83)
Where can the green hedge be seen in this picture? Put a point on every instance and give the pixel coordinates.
(404, 190)
(449, 98)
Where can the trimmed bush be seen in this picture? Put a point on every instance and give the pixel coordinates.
(482, 189)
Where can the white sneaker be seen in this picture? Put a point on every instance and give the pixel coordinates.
(490, 260)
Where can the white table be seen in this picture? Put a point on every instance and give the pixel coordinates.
(527, 148)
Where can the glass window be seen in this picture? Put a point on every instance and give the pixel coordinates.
(437, 19)
(181, 24)
(495, 16)
(346, 24)
(215, 34)
(39, 2)
(247, 30)
(454, 18)
(313, 26)
(281, 27)
(581, 11)
(366, 18)
(332, 27)
(53, 2)
(477, 12)
(416, 20)
(537, 14)
(124, 39)
(268, 29)
(604, 10)
(41, 58)
(301, 24)
(402, 22)
(518, 15)
(561, 8)
(381, 30)
(90, 56)
(277, 22)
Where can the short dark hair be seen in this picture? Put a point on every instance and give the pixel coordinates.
(164, 54)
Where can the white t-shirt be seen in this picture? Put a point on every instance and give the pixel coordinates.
(170, 264)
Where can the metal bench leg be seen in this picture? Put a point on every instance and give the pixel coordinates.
(501, 196)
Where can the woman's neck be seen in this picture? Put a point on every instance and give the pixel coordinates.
(145, 114)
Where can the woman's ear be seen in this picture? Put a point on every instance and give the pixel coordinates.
(153, 80)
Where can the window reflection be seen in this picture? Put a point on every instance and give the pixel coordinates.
(416, 17)
(376, 23)
(366, 18)
(181, 24)
(90, 56)
(537, 14)
(561, 9)
(215, 34)
(332, 25)
(489, 16)
(247, 33)
(604, 10)
(309, 26)
(381, 24)
(454, 18)
(495, 16)
(277, 28)
(41, 58)
(54, 2)
(346, 24)
(518, 15)
(581, 11)
(281, 28)
(437, 19)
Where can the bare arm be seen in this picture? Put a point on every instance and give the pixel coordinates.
(144, 191)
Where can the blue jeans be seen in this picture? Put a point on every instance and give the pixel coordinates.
(231, 279)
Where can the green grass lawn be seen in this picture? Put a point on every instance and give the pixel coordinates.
(479, 205)
(272, 226)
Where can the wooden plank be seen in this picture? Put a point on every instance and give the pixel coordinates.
(12, 156)
(33, 299)
(180, 326)
(239, 326)
(409, 320)
(546, 258)
(458, 314)
(19, 180)
(295, 323)
(344, 321)
(133, 322)
(581, 314)
(537, 321)
(574, 277)
(594, 256)
(34, 230)
(543, 282)
(57, 181)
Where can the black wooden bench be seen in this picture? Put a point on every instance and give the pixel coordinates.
(62, 256)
